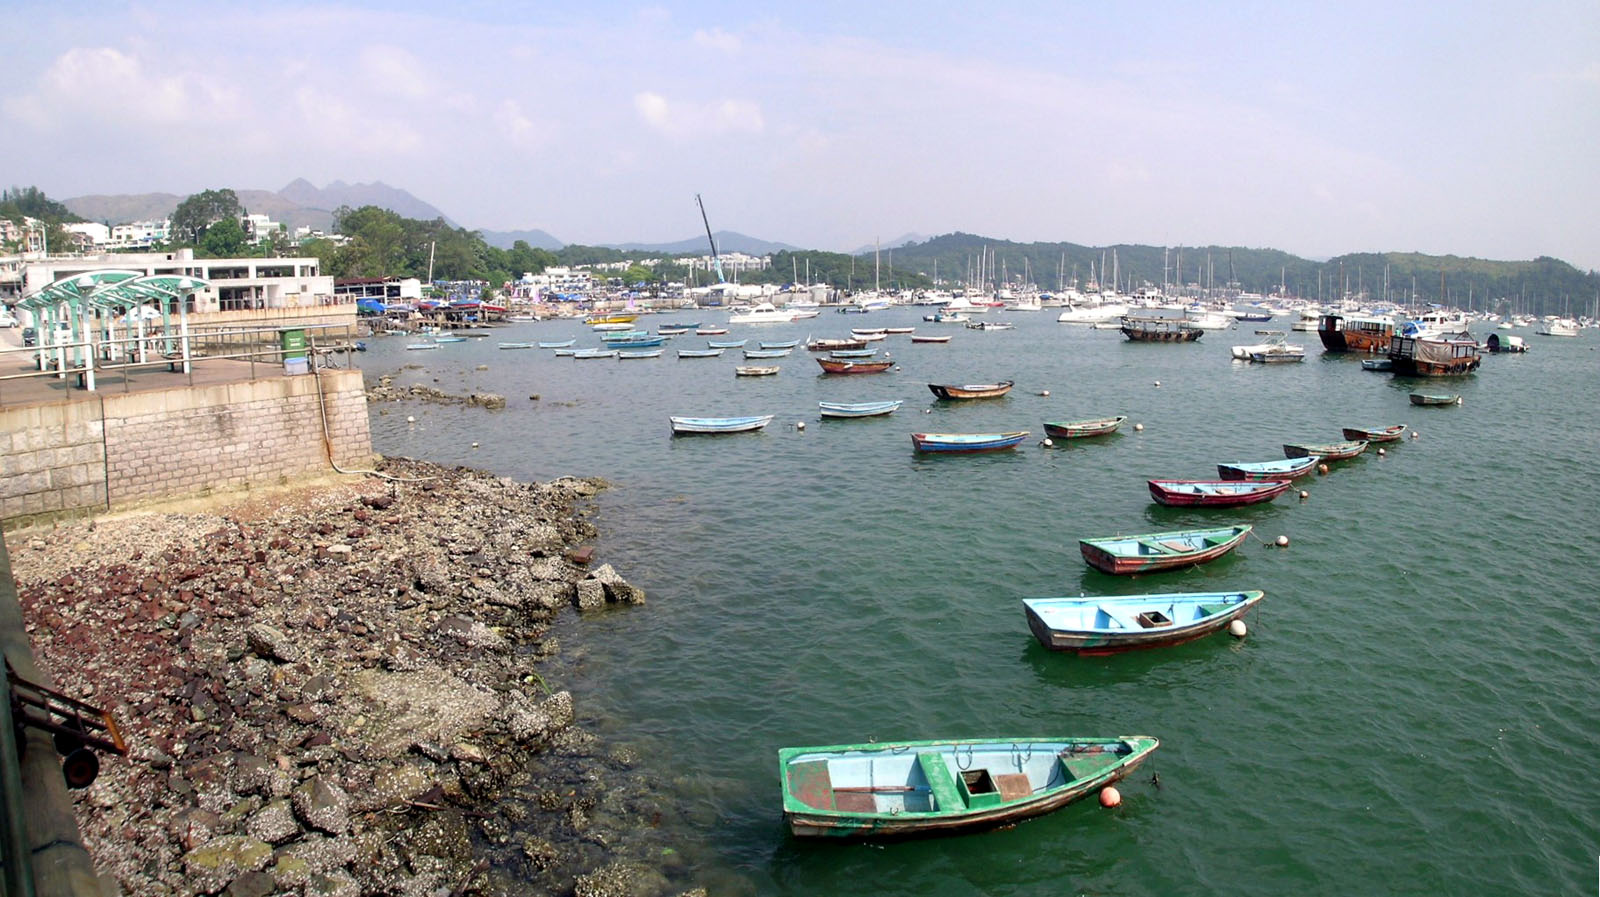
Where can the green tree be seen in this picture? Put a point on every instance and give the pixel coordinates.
(223, 239)
(637, 273)
(201, 210)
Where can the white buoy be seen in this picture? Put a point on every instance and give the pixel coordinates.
(474, 445)
(1045, 393)
(1139, 427)
(1304, 495)
(1382, 452)
(1158, 384)
(927, 411)
(1460, 400)
(1237, 629)
(799, 425)
(411, 418)
(1047, 442)
(1415, 435)
(1283, 541)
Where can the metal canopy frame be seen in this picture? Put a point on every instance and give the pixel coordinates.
(101, 300)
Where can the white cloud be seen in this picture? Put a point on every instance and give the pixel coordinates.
(703, 119)
(102, 85)
(717, 39)
(392, 70)
(518, 128)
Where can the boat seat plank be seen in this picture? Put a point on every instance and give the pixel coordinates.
(855, 801)
(940, 781)
(810, 782)
(1174, 545)
(1013, 786)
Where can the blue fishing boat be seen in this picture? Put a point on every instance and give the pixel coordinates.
(671, 331)
(449, 339)
(568, 353)
(557, 344)
(700, 353)
(1151, 552)
(1113, 624)
(623, 336)
(853, 353)
(648, 342)
(719, 424)
(766, 353)
(919, 788)
(624, 354)
(780, 344)
(726, 344)
(419, 346)
(1287, 469)
(967, 442)
(858, 409)
(594, 353)
(516, 345)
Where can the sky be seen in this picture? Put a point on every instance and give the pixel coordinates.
(1313, 127)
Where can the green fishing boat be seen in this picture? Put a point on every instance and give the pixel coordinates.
(916, 788)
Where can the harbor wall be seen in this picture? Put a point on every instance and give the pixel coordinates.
(113, 451)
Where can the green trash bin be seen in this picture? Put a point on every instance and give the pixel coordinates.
(293, 342)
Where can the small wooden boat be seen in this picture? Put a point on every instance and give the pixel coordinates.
(624, 354)
(971, 390)
(991, 325)
(919, 788)
(1376, 434)
(449, 339)
(719, 424)
(612, 326)
(1216, 493)
(516, 345)
(899, 330)
(852, 353)
(1417, 398)
(414, 347)
(831, 345)
(700, 353)
(1258, 471)
(755, 370)
(671, 331)
(766, 353)
(868, 332)
(1076, 429)
(558, 344)
(1332, 451)
(567, 353)
(710, 331)
(726, 343)
(967, 442)
(1160, 330)
(930, 339)
(1376, 364)
(647, 342)
(871, 336)
(1161, 551)
(858, 409)
(595, 353)
(1279, 354)
(845, 366)
(946, 317)
(780, 344)
(1112, 624)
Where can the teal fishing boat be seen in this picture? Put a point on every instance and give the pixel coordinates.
(919, 788)
(1111, 624)
(1161, 551)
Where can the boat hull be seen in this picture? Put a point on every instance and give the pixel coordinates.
(714, 425)
(1417, 398)
(1258, 472)
(857, 409)
(949, 786)
(1077, 429)
(1336, 451)
(838, 366)
(1097, 626)
(1215, 493)
(1382, 434)
(966, 443)
(1160, 551)
(971, 390)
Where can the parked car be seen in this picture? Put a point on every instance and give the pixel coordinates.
(7, 317)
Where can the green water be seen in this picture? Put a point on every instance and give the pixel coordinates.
(1416, 710)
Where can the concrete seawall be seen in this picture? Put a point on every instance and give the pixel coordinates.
(109, 451)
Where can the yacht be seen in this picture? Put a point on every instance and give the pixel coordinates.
(1560, 327)
(761, 313)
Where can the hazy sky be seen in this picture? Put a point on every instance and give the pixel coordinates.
(1316, 127)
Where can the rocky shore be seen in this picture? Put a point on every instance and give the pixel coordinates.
(337, 691)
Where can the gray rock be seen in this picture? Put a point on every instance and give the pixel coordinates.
(532, 723)
(591, 595)
(487, 400)
(468, 753)
(290, 872)
(273, 823)
(209, 868)
(621, 879)
(623, 593)
(337, 883)
(319, 854)
(252, 884)
(194, 827)
(322, 805)
(559, 708)
(317, 688)
(271, 643)
(393, 785)
(471, 633)
(605, 574)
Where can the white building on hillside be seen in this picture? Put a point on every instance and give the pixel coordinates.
(140, 234)
(88, 235)
(732, 262)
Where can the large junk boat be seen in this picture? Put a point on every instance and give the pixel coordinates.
(1160, 330)
(1422, 356)
(1342, 334)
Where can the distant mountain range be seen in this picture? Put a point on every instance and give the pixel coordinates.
(505, 239)
(300, 204)
(896, 243)
(727, 241)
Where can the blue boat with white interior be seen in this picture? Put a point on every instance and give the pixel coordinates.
(858, 409)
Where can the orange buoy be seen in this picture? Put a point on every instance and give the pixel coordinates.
(1322, 468)
(1110, 797)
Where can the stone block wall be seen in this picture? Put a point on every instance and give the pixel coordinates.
(122, 449)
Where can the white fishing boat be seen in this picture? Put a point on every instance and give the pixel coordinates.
(1093, 314)
(761, 313)
(1560, 327)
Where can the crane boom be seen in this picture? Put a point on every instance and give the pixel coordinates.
(716, 261)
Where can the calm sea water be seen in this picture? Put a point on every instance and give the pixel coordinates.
(1416, 710)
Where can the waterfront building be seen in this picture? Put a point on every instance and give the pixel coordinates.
(239, 284)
